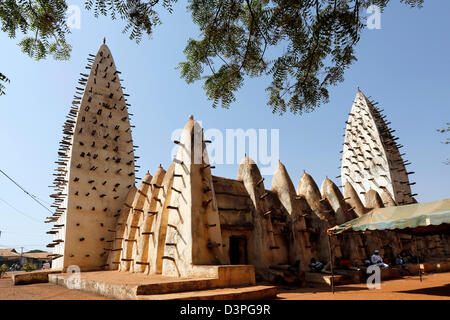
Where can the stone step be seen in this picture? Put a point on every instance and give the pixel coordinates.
(390, 273)
(124, 285)
(177, 286)
(241, 293)
(429, 267)
(219, 277)
(352, 276)
(40, 276)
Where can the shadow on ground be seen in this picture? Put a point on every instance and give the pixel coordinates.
(443, 291)
(285, 289)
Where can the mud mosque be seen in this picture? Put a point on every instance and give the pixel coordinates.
(181, 220)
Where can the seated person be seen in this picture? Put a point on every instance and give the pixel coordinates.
(294, 268)
(377, 260)
(401, 264)
(316, 266)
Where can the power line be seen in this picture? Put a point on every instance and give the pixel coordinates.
(17, 210)
(22, 245)
(26, 192)
(36, 232)
(42, 200)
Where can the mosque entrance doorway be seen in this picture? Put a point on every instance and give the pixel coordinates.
(238, 250)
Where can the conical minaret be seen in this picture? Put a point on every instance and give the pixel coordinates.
(371, 158)
(97, 167)
(193, 236)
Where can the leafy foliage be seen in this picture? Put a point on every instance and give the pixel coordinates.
(446, 130)
(3, 270)
(43, 23)
(28, 267)
(140, 15)
(4, 79)
(318, 37)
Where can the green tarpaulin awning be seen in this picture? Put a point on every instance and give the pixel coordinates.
(418, 218)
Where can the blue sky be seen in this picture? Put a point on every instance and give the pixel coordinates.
(404, 65)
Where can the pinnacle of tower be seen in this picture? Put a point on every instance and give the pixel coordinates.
(353, 200)
(282, 184)
(194, 171)
(373, 200)
(331, 192)
(147, 178)
(248, 169)
(370, 157)
(159, 171)
(309, 189)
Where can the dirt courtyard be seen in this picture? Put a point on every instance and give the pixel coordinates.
(433, 287)
(41, 291)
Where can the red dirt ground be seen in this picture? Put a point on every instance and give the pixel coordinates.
(41, 291)
(433, 287)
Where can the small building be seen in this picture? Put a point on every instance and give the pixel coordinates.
(9, 256)
(39, 259)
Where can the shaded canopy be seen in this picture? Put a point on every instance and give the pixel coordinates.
(419, 218)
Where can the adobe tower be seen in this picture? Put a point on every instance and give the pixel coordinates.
(371, 159)
(96, 167)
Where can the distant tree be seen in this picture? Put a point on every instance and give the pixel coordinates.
(34, 251)
(3, 270)
(318, 38)
(28, 267)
